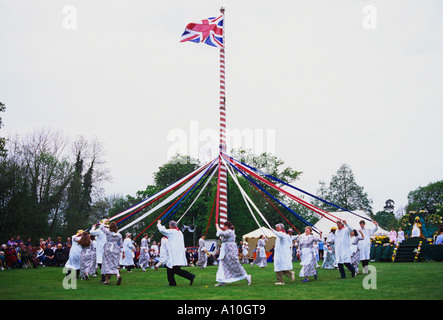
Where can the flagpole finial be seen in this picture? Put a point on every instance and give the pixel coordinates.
(222, 10)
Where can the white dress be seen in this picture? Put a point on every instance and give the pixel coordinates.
(415, 231)
(365, 244)
(282, 251)
(143, 260)
(202, 257)
(261, 258)
(229, 268)
(164, 251)
(307, 253)
(129, 254)
(343, 245)
(74, 254)
(100, 239)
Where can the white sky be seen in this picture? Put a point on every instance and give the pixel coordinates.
(330, 90)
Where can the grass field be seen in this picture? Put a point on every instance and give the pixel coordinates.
(421, 281)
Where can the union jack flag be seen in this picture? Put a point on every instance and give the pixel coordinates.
(209, 31)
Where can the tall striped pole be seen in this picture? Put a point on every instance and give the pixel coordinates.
(222, 195)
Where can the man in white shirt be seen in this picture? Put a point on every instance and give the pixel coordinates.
(177, 256)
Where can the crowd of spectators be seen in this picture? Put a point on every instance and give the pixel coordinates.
(16, 253)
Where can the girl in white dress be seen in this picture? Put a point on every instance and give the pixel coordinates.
(144, 258)
(127, 258)
(202, 256)
(261, 260)
(73, 262)
(355, 251)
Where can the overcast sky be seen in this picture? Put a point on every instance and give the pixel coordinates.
(319, 83)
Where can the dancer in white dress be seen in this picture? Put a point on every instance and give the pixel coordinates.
(164, 253)
(355, 251)
(144, 258)
(202, 256)
(307, 255)
(111, 252)
(261, 260)
(87, 257)
(282, 255)
(245, 252)
(229, 268)
(365, 244)
(127, 257)
(100, 240)
(73, 262)
(343, 248)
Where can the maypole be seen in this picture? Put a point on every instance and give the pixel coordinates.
(222, 195)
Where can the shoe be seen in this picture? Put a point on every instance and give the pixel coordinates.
(119, 281)
(220, 284)
(192, 280)
(249, 279)
(279, 283)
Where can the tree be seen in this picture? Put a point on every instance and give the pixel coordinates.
(175, 169)
(344, 192)
(83, 182)
(426, 198)
(386, 219)
(38, 177)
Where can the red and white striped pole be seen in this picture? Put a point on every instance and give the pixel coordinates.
(222, 195)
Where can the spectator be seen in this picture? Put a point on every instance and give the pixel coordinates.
(18, 241)
(2, 258)
(49, 255)
(11, 242)
(28, 243)
(41, 255)
(59, 241)
(49, 241)
(11, 257)
(60, 255)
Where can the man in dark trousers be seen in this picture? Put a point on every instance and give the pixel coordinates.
(177, 256)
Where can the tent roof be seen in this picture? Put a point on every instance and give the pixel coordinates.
(258, 232)
(352, 220)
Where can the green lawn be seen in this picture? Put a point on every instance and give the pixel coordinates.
(421, 281)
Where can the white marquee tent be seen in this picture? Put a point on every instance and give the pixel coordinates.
(352, 220)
